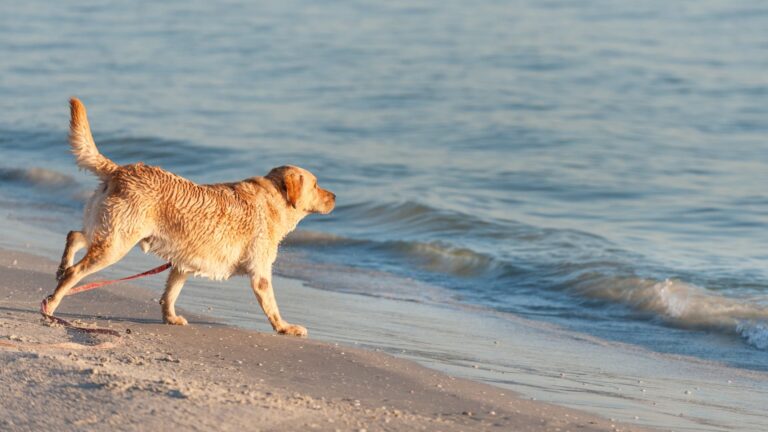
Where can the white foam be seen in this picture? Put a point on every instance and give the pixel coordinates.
(755, 333)
(676, 301)
(688, 306)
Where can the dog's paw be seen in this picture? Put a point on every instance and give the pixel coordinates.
(48, 307)
(175, 320)
(293, 330)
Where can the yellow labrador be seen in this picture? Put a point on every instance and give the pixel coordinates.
(215, 230)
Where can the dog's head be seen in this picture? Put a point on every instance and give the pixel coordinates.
(301, 191)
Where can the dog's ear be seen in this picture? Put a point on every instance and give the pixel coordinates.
(293, 184)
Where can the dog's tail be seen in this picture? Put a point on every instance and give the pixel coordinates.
(83, 146)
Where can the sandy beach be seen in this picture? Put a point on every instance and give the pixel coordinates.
(208, 376)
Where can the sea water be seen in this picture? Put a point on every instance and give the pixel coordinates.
(593, 167)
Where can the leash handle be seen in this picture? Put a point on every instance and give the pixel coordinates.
(88, 287)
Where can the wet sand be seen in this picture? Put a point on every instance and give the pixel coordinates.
(210, 376)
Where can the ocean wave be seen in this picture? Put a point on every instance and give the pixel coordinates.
(683, 305)
(410, 218)
(672, 302)
(309, 238)
(433, 256)
(35, 176)
(442, 258)
(178, 155)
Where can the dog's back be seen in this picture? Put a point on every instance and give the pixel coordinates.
(204, 229)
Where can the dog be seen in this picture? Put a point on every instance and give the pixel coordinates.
(211, 230)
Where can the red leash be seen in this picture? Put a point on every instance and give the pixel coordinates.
(88, 287)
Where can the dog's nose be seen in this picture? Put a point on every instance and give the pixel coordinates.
(333, 195)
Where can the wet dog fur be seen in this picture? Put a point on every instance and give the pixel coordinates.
(212, 230)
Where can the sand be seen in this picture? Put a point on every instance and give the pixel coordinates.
(208, 376)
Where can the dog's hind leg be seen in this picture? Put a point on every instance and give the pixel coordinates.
(172, 290)
(99, 255)
(262, 287)
(75, 241)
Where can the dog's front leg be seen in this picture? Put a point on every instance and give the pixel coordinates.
(262, 287)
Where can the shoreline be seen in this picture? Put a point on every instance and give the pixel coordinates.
(210, 375)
